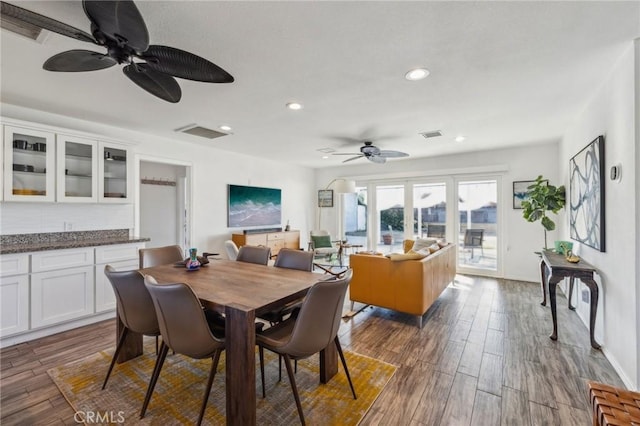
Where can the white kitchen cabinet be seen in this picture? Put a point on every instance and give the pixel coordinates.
(62, 285)
(115, 168)
(77, 169)
(14, 294)
(123, 257)
(61, 295)
(29, 164)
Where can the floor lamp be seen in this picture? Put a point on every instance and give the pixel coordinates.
(340, 186)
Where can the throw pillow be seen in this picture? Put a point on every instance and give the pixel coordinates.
(320, 241)
(442, 244)
(433, 248)
(421, 243)
(396, 257)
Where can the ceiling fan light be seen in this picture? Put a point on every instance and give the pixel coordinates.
(460, 138)
(225, 128)
(416, 74)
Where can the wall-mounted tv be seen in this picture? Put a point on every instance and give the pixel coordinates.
(254, 206)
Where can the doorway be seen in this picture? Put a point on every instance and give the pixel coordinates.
(163, 203)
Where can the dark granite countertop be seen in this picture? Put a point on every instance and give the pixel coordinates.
(25, 243)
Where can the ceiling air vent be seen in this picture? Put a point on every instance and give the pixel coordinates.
(431, 134)
(203, 132)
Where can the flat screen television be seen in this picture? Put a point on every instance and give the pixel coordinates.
(254, 206)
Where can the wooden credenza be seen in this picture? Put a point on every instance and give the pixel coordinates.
(274, 240)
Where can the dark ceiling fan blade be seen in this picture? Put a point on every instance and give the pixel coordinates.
(161, 85)
(353, 158)
(179, 63)
(376, 159)
(78, 60)
(392, 154)
(15, 15)
(119, 20)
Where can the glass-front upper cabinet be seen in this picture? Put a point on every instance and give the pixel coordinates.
(116, 173)
(77, 169)
(29, 164)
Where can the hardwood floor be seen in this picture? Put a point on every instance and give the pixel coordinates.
(483, 358)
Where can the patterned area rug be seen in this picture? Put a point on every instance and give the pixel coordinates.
(179, 390)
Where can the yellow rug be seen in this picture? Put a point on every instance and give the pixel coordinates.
(179, 391)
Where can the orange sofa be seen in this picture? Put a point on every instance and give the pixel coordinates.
(409, 286)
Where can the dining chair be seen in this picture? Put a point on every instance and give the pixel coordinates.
(232, 249)
(315, 328)
(184, 329)
(135, 308)
(160, 256)
(254, 254)
(289, 259)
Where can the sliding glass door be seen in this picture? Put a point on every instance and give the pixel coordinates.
(478, 225)
(461, 210)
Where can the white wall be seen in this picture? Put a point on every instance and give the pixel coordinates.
(212, 170)
(520, 238)
(612, 112)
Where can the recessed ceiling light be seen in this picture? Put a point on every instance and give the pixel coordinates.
(416, 74)
(294, 106)
(324, 157)
(460, 138)
(225, 128)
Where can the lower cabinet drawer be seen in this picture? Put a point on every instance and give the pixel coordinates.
(61, 259)
(117, 253)
(58, 296)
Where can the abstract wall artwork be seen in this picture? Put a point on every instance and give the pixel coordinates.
(254, 206)
(586, 195)
(520, 192)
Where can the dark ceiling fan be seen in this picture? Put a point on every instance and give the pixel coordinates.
(373, 154)
(119, 27)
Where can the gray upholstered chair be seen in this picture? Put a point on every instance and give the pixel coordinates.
(160, 256)
(232, 249)
(294, 259)
(289, 259)
(135, 308)
(314, 328)
(254, 254)
(184, 329)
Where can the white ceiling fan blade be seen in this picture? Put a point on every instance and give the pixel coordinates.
(353, 158)
(393, 154)
(377, 159)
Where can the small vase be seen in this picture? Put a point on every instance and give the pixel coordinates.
(193, 263)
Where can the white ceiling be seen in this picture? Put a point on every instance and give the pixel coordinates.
(502, 73)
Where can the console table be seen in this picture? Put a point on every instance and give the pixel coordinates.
(274, 240)
(554, 267)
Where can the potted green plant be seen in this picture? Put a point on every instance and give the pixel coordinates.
(542, 198)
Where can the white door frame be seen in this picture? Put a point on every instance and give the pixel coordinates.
(189, 199)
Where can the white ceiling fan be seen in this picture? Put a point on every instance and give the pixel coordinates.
(373, 154)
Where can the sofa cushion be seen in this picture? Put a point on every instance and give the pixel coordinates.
(320, 241)
(442, 244)
(410, 255)
(433, 248)
(422, 243)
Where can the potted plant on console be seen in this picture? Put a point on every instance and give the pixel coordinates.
(543, 198)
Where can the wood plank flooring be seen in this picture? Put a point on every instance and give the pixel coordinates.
(483, 357)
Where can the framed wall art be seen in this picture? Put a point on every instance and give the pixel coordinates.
(520, 192)
(325, 198)
(586, 195)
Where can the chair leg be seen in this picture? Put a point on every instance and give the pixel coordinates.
(344, 364)
(123, 336)
(261, 353)
(207, 391)
(279, 367)
(164, 349)
(294, 388)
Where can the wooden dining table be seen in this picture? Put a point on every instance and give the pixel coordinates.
(242, 291)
